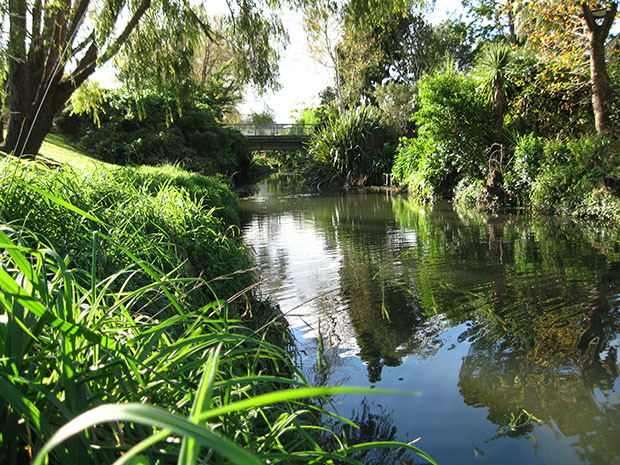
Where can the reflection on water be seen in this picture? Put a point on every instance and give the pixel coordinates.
(508, 326)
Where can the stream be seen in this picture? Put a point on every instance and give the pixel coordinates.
(506, 327)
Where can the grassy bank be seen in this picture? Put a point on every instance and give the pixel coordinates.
(128, 291)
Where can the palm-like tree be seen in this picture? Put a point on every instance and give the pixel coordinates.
(493, 64)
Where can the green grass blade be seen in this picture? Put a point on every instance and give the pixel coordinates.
(33, 305)
(293, 394)
(48, 195)
(189, 448)
(386, 445)
(151, 416)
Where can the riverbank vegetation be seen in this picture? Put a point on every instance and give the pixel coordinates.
(129, 290)
(502, 111)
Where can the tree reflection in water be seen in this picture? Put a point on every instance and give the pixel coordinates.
(543, 327)
(539, 298)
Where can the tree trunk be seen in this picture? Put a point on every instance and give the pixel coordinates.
(500, 108)
(37, 87)
(26, 132)
(602, 92)
(2, 123)
(33, 106)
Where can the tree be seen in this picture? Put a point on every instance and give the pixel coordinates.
(53, 48)
(570, 32)
(399, 46)
(323, 27)
(264, 117)
(493, 65)
(370, 45)
(425, 46)
(492, 19)
(602, 93)
(396, 101)
(352, 37)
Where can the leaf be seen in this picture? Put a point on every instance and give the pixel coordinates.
(150, 416)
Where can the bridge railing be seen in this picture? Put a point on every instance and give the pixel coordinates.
(248, 129)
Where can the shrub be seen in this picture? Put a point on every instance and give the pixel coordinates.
(354, 148)
(150, 133)
(527, 162)
(418, 166)
(470, 192)
(454, 128)
(571, 177)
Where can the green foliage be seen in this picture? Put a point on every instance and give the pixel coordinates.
(148, 132)
(164, 216)
(550, 99)
(421, 166)
(89, 100)
(209, 192)
(565, 176)
(308, 116)
(454, 132)
(396, 102)
(158, 366)
(177, 45)
(491, 19)
(354, 148)
(264, 117)
(494, 65)
(526, 164)
(470, 192)
(425, 47)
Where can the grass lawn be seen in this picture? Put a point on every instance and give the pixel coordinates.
(56, 149)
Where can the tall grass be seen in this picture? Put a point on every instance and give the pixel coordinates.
(111, 351)
(170, 219)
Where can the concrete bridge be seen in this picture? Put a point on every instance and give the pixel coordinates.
(275, 136)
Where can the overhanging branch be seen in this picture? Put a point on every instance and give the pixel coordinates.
(131, 25)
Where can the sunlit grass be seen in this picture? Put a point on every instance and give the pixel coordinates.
(56, 150)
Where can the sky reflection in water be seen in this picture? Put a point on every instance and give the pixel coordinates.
(507, 326)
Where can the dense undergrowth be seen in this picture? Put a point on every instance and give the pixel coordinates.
(457, 154)
(575, 177)
(127, 291)
(155, 131)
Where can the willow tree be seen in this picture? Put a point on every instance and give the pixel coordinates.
(575, 32)
(54, 46)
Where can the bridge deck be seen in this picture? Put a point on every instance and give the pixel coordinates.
(275, 136)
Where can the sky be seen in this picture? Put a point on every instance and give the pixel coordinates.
(301, 78)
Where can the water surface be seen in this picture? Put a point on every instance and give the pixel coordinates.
(508, 327)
